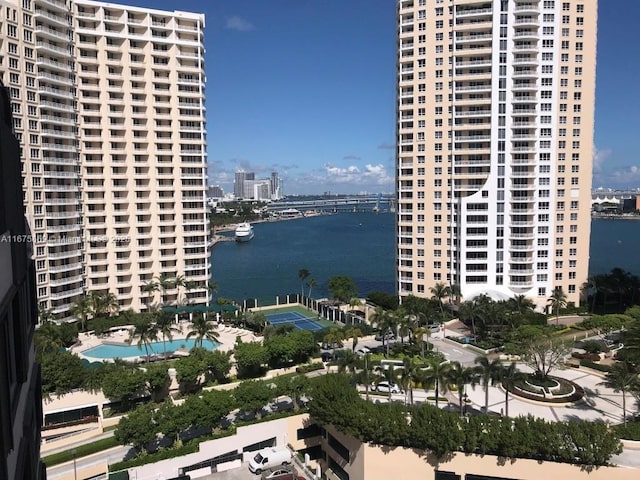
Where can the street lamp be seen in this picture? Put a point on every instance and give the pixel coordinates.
(75, 472)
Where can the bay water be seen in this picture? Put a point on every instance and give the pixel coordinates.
(360, 246)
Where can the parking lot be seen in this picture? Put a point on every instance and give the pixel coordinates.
(240, 473)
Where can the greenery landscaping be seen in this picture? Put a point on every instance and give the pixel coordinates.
(575, 442)
(80, 451)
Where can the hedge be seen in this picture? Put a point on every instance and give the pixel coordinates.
(80, 451)
(595, 366)
(630, 431)
(309, 367)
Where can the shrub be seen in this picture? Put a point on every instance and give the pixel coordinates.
(309, 367)
(80, 451)
(630, 431)
(595, 366)
(593, 357)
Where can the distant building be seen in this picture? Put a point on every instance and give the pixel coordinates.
(614, 201)
(238, 185)
(20, 392)
(215, 191)
(247, 187)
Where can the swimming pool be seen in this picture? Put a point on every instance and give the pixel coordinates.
(106, 351)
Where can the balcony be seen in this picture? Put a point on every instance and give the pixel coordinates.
(59, 19)
(51, 33)
(66, 293)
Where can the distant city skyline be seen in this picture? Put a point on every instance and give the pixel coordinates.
(315, 100)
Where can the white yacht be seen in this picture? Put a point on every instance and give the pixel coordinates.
(244, 232)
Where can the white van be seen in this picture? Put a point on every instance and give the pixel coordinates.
(268, 458)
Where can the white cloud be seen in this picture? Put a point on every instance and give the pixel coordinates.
(599, 158)
(239, 24)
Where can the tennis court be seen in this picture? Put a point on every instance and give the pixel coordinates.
(297, 319)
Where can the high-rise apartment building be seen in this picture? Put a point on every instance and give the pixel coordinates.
(108, 103)
(495, 119)
(20, 392)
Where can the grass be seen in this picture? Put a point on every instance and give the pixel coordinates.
(80, 451)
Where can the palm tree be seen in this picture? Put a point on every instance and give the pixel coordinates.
(385, 321)
(202, 329)
(177, 282)
(354, 333)
(461, 376)
(455, 292)
(348, 361)
(165, 327)
(164, 283)
(82, 310)
(521, 304)
(303, 274)
(150, 288)
(366, 373)
(621, 379)
(509, 376)
(489, 374)
(190, 285)
(45, 315)
(389, 374)
(468, 312)
(311, 283)
(436, 376)
(439, 292)
(409, 375)
(212, 287)
(557, 301)
(47, 337)
(418, 334)
(103, 303)
(146, 333)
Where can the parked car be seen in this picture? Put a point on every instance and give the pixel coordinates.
(284, 472)
(269, 458)
(386, 336)
(331, 346)
(386, 387)
(434, 328)
(363, 350)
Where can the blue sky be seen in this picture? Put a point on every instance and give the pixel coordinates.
(306, 88)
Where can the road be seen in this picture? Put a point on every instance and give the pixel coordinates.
(113, 455)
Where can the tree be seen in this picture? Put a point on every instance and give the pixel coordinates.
(509, 376)
(488, 374)
(150, 288)
(157, 379)
(123, 385)
(47, 338)
(385, 321)
(365, 374)
(342, 288)
(409, 375)
(303, 274)
(165, 327)
(164, 283)
(252, 396)
(201, 328)
(103, 304)
(294, 387)
(521, 304)
(347, 361)
(622, 379)
(61, 371)
(388, 373)
(461, 376)
(82, 310)
(439, 292)
(557, 301)
(145, 332)
(215, 364)
(250, 358)
(189, 370)
(137, 428)
(45, 315)
(311, 284)
(384, 300)
(468, 312)
(545, 354)
(354, 334)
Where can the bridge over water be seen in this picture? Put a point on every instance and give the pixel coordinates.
(382, 202)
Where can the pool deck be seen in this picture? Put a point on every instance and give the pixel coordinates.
(226, 337)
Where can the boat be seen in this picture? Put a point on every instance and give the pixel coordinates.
(244, 232)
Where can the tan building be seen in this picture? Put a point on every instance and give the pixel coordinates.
(109, 107)
(495, 119)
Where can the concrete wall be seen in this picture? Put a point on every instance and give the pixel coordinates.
(284, 430)
(373, 462)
